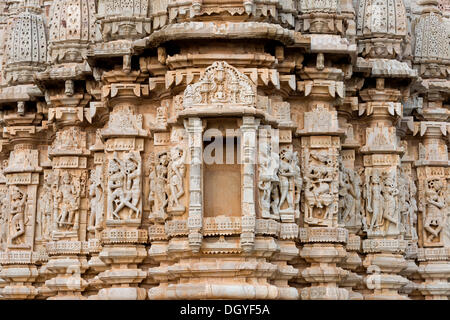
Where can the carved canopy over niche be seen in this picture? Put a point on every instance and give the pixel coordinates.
(221, 84)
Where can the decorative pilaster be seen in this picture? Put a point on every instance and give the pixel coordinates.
(194, 129)
(322, 236)
(385, 247)
(432, 60)
(122, 239)
(248, 154)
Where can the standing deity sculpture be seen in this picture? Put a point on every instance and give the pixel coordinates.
(374, 200)
(152, 189)
(17, 214)
(390, 213)
(46, 205)
(382, 203)
(68, 198)
(96, 192)
(286, 173)
(176, 172)
(268, 181)
(159, 189)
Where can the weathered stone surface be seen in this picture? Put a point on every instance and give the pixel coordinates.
(155, 149)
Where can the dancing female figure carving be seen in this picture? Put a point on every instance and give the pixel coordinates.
(18, 200)
(133, 172)
(435, 203)
(176, 176)
(285, 172)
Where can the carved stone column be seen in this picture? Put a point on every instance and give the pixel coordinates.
(122, 239)
(19, 254)
(385, 247)
(65, 191)
(322, 237)
(248, 154)
(408, 203)
(96, 217)
(194, 130)
(25, 54)
(432, 172)
(382, 47)
(431, 58)
(351, 208)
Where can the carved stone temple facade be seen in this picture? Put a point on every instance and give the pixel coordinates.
(225, 149)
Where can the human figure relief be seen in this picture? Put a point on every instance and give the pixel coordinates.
(124, 185)
(3, 220)
(362, 192)
(17, 212)
(115, 185)
(285, 174)
(96, 193)
(318, 195)
(375, 201)
(69, 199)
(161, 186)
(298, 183)
(347, 194)
(46, 205)
(403, 190)
(152, 189)
(435, 216)
(264, 180)
(133, 171)
(412, 208)
(390, 193)
(176, 174)
(268, 181)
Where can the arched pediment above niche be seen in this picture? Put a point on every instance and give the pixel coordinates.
(221, 85)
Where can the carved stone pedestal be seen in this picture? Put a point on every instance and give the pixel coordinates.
(324, 249)
(285, 271)
(67, 265)
(20, 279)
(122, 251)
(435, 270)
(384, 260)
(220, 271)
(95, 265)
(351, 263)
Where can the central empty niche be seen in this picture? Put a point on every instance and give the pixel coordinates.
(222, 179)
